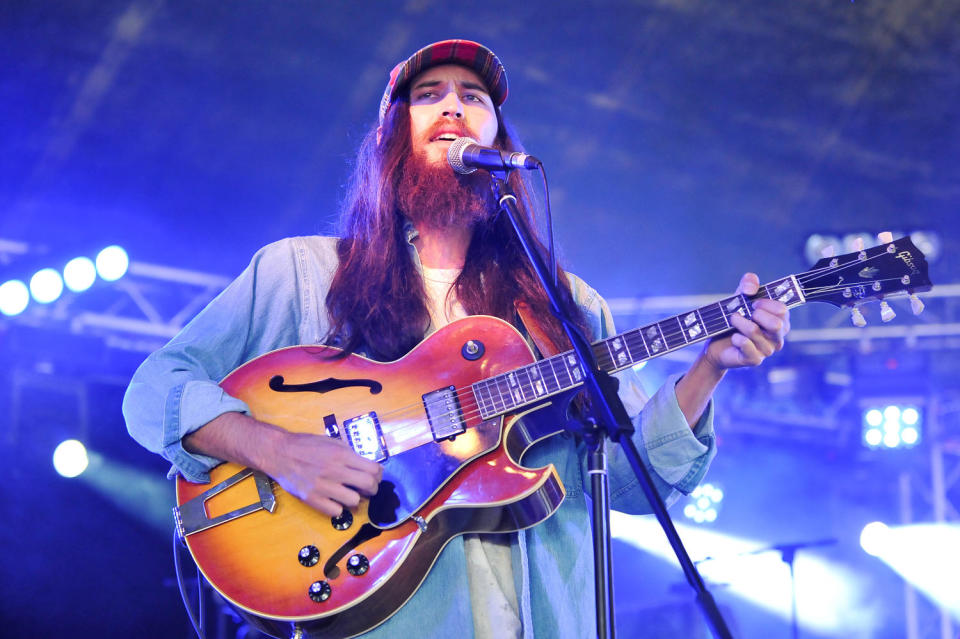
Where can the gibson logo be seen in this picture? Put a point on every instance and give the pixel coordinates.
(908, 260)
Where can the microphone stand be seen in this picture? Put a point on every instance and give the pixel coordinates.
(788, 553)
(606, 418)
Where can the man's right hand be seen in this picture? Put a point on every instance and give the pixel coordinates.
(323, 472)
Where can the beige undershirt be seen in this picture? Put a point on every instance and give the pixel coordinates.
(493, 596)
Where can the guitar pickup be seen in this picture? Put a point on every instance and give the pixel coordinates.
(443, 411)
(365, 437)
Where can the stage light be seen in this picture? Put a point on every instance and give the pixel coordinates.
(112, 263)
(819, 246)
(704, 504)
(834, 600)
(928, 242)
(70, 458)
(874, 538)
(46, 285)
(79, 274)
(851, 244)
(924, 555)
(891, 426)
(14, 297)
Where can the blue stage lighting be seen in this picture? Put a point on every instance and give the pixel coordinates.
(891, 426)
(70, 458)
(14, 297)
(923, 554)
(46, 285)
(704, 504)
(79, 274)
(835, 601)
(874, 538)
(112, 263)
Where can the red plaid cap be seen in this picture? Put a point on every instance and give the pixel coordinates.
(472, 55)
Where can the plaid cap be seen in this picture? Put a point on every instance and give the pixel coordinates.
(472, 55)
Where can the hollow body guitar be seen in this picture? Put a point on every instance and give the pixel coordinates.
(449, 422)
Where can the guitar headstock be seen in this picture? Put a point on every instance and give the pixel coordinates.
(892, 268)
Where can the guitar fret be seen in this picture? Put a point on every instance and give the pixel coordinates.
(716, 319)
(736, 304)
(503, 389)
(620, 356)
(515, 388)
(482, 402)
(563, 376)
(653, 339)
(526, 383)
(537, 388)
(635, 341)
(554, 385)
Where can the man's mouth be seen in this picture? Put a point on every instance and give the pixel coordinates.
(446, 137)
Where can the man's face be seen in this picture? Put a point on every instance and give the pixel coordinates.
(447, 102)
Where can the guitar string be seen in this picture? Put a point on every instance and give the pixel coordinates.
(668, 334)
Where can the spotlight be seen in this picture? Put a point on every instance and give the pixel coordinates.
(704, 504)
(79, 274)
(851, 245)
(892, 426)
(70, 458)
(112, 263)
(874, 538)
(819, 246)
(46, 285)
(928, 242)
(14, 297)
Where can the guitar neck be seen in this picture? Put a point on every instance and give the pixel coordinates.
(524, 386)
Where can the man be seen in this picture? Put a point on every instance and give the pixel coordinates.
(421, 247)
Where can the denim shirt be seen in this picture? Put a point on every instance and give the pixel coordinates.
(279, 301)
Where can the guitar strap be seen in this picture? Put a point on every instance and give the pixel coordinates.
(541, 340)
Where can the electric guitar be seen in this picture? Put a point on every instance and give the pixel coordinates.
(444, 421)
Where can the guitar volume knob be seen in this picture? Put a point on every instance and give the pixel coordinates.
(343, 521)
(308, 556)
(319, 591)
(358, 565)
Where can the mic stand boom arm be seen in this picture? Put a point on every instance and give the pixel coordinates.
(607, 418)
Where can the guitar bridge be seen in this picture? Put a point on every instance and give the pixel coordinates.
(365, 437)
(443, 411)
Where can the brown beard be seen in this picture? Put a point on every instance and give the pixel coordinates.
(433, 195)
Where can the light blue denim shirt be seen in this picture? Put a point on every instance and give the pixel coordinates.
(279, 301)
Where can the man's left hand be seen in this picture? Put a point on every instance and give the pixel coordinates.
(755, 339)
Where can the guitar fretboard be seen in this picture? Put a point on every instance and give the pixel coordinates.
(508, 392)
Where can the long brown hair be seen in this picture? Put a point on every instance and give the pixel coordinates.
(377, 299)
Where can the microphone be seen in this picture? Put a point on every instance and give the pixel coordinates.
(466, 155)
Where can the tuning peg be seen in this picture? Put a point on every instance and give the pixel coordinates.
(857, 318)
(916, 304)
(858, 244)
(885, 237)
(828, 251)
(886, 313)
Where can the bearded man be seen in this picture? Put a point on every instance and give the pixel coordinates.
(421, 247)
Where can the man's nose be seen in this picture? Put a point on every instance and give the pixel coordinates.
(451, 106)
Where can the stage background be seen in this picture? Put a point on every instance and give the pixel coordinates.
(686, 142)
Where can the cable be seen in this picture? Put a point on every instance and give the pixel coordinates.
(546, 200)
(197, 626)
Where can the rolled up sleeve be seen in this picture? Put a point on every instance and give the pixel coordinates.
(676, 455)
(175, 391)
